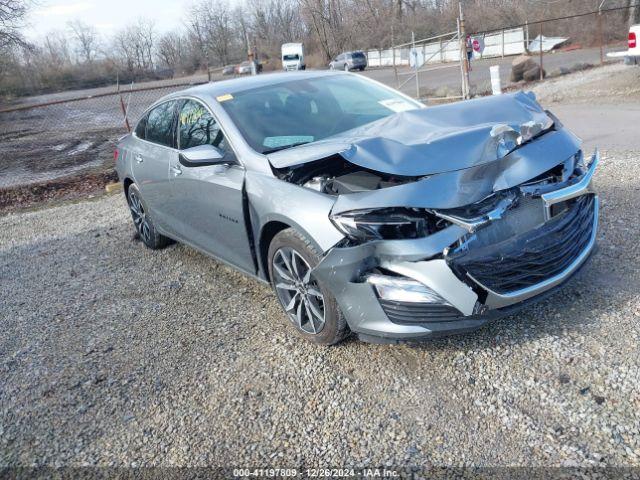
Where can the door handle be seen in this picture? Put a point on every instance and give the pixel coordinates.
(176, 170)
(139, 158)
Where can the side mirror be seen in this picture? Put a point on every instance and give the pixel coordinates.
(202, 155)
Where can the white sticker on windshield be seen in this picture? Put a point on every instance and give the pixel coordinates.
(397, 105)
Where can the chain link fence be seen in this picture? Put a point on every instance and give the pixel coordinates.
(62, 140)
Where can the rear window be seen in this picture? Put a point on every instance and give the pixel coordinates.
(358, 55)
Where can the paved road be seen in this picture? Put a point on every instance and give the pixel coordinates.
(447, 76)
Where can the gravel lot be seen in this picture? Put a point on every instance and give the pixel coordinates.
(112, 354)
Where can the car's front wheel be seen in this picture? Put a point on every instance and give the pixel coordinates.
(310, 307)
(346, 67)
(142, 221)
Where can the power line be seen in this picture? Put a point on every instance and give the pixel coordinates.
(566, 17)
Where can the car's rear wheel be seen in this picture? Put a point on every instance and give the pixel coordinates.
(143, 222)
(310, 307)
(346, 67)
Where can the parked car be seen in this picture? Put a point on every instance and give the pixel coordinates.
(366, 212)
(349, 61)
(244, 68)
(229, 70)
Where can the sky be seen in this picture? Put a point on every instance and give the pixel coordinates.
(107, 16)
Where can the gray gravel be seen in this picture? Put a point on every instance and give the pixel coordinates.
(112, 354)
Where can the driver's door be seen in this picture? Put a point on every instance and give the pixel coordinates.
(207, 206)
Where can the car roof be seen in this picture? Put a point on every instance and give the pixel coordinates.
(236, 85)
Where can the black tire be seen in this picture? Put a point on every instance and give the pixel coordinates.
(142, 221)
(362, 69)
(335, 326)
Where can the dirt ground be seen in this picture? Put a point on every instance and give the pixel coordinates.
(64, 151)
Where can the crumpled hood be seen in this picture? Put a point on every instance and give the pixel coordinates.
(432, 140)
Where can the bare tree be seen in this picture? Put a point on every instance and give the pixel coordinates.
(211, 24)
(633, 12)
(135, 46)
(12, 14)
(85, 38)
(171, 48)
(275, 22)
(56, 47)
(326, 22)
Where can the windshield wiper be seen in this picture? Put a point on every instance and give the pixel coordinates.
(283, 147)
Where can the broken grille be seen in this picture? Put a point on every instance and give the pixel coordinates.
(531, 258)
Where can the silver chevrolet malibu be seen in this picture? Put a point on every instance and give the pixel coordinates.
(365, 211)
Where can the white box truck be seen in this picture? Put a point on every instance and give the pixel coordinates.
(293, 57)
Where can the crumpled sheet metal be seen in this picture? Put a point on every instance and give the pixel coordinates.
(341, 270)
(430, 140)
(463, 187)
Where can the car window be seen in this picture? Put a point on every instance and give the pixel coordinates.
(159, 128)
(197, 127)
(142, 125)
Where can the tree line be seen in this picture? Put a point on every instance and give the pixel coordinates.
(218, 32)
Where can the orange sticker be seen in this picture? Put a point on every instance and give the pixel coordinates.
(224, 98)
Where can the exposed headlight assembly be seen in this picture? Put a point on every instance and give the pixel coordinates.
(387, 224)
(402, 289)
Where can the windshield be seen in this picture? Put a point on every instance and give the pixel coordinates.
(292, 113)
(291, 56)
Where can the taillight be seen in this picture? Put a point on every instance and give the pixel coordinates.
(115, 155)
(632, 39)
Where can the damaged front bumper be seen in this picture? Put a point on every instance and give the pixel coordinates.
(455, 280)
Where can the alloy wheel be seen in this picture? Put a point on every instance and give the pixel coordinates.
(298, 291)
(139, 215)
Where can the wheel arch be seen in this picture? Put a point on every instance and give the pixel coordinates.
(126, 183)
(267, 233)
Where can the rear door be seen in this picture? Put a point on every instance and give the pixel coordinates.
(207, 201)
(152, 154)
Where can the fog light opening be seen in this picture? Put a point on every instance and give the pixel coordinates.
(403, 289)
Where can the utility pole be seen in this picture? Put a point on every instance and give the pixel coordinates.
(463, 55)
(415, 64)
(540, 52)
(393, 49)
(600, 39)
